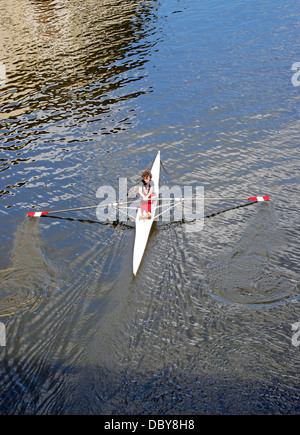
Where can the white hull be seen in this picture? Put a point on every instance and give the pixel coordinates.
(143, 226)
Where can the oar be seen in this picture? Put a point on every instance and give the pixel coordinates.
(252, 198)
(259, 198)
(115, 204)
(42, 213)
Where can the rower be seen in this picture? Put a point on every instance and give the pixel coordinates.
(146, 187)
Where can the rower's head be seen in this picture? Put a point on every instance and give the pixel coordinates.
(146, 175)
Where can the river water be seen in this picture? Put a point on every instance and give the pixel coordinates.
(90, 91)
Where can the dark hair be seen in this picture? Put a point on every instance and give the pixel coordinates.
(146, 174)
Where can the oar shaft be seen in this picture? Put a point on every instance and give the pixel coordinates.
(72, 209)
(38, 214)
(185, 198)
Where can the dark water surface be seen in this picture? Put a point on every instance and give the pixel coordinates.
(92, 90)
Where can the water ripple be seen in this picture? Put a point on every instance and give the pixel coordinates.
(255, 272)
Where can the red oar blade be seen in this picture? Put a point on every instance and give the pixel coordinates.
(259, 198)
(36, 213)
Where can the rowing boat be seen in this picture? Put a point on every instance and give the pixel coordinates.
(143, 226)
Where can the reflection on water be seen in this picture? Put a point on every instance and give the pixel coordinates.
(67, 66)
(72, 57)
(28, 274)
(93, 89)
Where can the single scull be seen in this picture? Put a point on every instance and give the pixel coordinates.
(143, 226)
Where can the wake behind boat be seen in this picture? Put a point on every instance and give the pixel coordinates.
(143, 226)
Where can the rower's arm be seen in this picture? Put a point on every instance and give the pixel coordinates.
(150, 192)
(141, 193)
